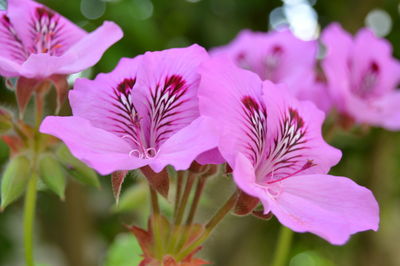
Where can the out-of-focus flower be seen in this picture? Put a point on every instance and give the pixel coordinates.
(37, 42)
(273, 143)
(145, 112)
(281, 57)
(362, 77)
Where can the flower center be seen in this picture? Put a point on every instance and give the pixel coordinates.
(131, 121)
(366, 88)
(272, 62)
(44, 32)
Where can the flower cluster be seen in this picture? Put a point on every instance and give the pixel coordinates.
(257, 105)
(169, 107)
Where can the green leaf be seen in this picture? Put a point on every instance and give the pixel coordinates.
(77, 169)
(125, 251)
(52, 174)
(133, 198)
(14, 180)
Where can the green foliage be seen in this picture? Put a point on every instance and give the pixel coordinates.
(15, 179)
(125, 251)
(76, 168)
(52, 174)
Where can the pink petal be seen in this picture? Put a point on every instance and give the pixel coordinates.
(9, 68)
(369, 48)
(338, 45)
(12, 48)
(223, 86)
(182, 148)
(24, 17)
(83, 54)
(287, 55)
(314, 148)
(166, 95)
(99, 149)
(331, 207)
(212, 156)
(245, 178)
(383, 112)
(95, 100)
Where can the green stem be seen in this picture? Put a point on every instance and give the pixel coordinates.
(156, 223)
(210, 226)
(154, 201)
(283, 246)
(199, 190)
(179, 182)
(185, 198)
(29, 215)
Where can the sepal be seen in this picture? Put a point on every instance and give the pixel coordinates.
(14, 180)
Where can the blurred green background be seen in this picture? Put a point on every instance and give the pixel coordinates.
(87, 230)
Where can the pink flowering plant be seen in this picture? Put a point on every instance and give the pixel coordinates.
(251, 111)
(39, 49)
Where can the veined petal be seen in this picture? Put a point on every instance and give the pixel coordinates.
(83, 54)
(329, 206)
(41, 29)
(232, 97)
(11, 45)
(107, 100)
(182, 148)
(166, 95)
(98, 148)
(146, 101)
(295, 143)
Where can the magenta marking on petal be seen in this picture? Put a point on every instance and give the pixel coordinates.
(164, 103)
(46, 32)
(272, 62)
(366, 87)
(10, 39)
(256, 129)
(286, 158)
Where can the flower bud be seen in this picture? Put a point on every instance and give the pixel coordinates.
(15, 179)
(52, 174)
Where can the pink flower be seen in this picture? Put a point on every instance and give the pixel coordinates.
(273, 144)
(37, 42)
(280, 57)
(362, 76)
(145, 112)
